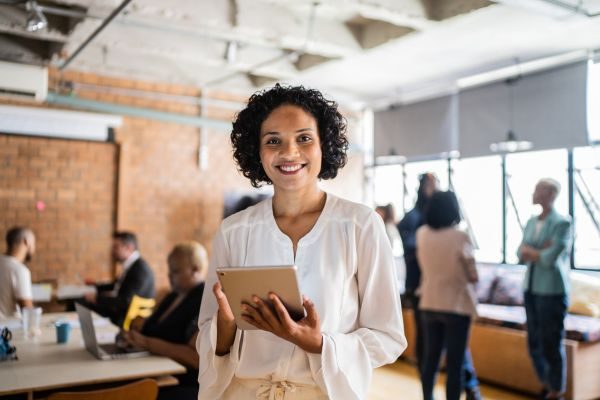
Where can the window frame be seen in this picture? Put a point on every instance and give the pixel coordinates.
(570, 167)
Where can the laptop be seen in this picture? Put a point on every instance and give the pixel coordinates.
(108, 351)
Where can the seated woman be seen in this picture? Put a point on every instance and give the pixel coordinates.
(172, 329)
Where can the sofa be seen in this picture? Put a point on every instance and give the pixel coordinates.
(498, 339)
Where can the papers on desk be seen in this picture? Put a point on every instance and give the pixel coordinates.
(11, 323)
(73, 291)
(41, 292)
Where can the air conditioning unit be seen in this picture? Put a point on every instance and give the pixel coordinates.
(23, 81)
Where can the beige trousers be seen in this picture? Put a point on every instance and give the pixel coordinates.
(250, 389)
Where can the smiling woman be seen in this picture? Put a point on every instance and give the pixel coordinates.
(291, 137)
(330, 128)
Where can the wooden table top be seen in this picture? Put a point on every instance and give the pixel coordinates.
(43, 364)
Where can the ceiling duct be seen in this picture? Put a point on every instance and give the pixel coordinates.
(558, 8)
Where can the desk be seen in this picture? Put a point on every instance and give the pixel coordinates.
(44, 365)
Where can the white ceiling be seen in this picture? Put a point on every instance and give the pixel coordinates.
(431, 42)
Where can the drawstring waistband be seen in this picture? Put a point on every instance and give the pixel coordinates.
(276, 390)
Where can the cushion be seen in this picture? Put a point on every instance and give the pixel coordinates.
(580, 328)
(585, 294)
(508, 287)
(487, 278)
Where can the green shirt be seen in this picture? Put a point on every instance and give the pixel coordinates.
(551, 271)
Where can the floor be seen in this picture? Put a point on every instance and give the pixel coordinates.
(400, 381)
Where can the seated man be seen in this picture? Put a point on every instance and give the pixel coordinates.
(172, 329)
(112, 300)
(15, 278)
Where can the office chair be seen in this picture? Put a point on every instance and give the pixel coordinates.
(146, 389)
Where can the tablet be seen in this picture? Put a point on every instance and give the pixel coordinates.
(240, 283)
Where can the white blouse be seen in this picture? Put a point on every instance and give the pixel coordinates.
(345, 266)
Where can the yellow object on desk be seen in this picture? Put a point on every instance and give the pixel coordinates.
(139, 307)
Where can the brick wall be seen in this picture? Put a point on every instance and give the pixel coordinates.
(76, 182)
(161, 193)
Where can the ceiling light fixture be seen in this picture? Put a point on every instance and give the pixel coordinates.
(231, 52)
(36, 20)
(511, 144)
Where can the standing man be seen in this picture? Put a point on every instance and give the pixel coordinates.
(15, 278)
(428, 185)
(112, 300)
(545, 250)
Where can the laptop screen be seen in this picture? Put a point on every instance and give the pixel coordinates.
(87, 328)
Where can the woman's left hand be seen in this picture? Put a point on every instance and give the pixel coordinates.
(306, 333)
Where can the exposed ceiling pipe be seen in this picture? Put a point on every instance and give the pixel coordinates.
(104, 24)
(144, 94)
(291, 55)
(554, 8)
(63, 12)
(578, 9)
(140, 112)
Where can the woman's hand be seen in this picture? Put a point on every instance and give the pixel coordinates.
(226, 325)
(137, 324)
(136, 339)
(305, 333)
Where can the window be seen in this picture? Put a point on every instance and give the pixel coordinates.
(391, 187)
(478, 186)
(388, 187)
(523, 171)
(586, 213)
(476, 182)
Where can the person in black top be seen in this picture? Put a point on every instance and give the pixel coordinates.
(172, 328)
(408, 225)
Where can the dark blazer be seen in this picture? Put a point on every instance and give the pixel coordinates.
(138, 279)
(407, 227)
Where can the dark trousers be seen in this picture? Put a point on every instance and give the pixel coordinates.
(179, 392)
(470, 376)
(449, 331)
(545, 333)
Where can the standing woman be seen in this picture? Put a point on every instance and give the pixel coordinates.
(292, 137)
(448, 301)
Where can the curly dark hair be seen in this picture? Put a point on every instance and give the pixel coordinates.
(245, 135)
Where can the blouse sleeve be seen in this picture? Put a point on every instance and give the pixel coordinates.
(347, 360)
(215, 372)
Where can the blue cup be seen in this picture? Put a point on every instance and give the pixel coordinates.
(63, 329)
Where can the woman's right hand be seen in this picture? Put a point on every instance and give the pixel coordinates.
(226, 325)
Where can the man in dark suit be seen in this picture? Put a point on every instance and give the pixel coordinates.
(112, 299)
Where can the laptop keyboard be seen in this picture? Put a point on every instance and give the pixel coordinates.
(111, 348)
